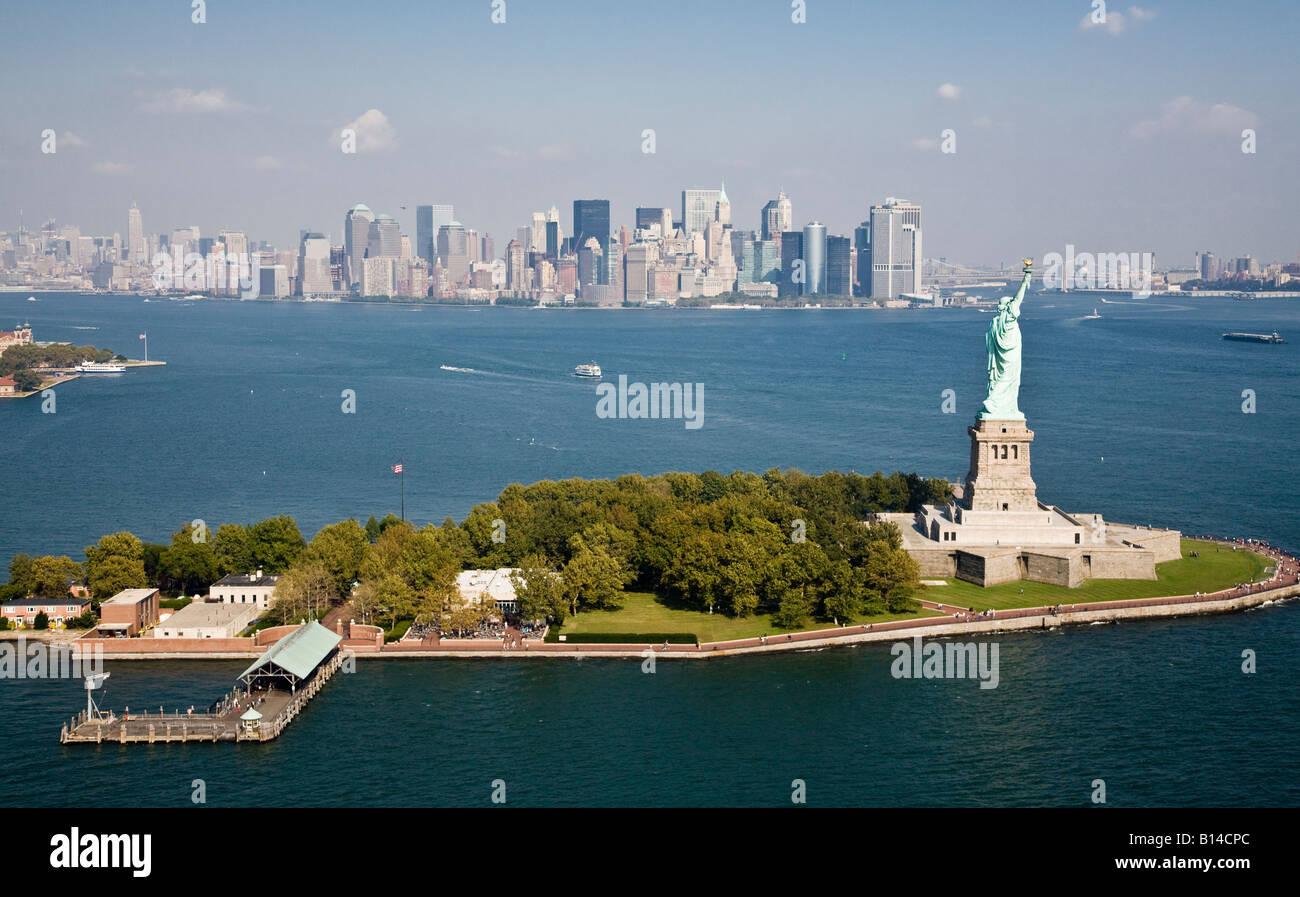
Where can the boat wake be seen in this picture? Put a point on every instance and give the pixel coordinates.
(447, 367)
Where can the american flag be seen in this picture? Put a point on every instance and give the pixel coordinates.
(397, 468)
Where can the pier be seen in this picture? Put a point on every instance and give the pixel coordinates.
(272, 692)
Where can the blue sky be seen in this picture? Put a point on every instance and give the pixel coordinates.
(1123, 137)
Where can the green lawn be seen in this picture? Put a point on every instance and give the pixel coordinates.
(1217, 568)
(643, 612)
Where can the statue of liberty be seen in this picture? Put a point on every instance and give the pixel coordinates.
(1003, 343)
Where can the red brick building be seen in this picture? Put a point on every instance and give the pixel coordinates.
(129, 612)
(21, 612)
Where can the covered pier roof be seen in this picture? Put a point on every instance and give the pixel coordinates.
(295, 656)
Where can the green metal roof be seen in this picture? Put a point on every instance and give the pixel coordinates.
(300, 651)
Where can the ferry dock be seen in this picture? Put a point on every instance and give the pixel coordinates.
(273, 690)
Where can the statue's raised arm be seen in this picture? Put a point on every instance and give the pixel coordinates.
(1024, 285)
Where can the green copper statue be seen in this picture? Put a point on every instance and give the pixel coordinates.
(1003, 343)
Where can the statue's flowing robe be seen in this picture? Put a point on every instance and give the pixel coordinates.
(1003, 343)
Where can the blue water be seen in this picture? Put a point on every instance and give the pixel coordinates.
(1138, 416)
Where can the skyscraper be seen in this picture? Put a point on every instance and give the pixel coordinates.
(515, 265)
(738, 240)
(839, 266)
(135, 249)
(791, 252)
(590, 260)
(649, 216)
(778, 217)
(384, 238)
(862, 239)
(427, 221)
(552, 245)
(612, 270)
(637, 263)
(814, 259)
(722, 211)
(699, 209)
(895, 249)
(453, 250)
(356, 235)
(590, 219)
(314, 264)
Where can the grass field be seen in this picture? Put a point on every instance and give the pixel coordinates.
(1217, 568)
(643, 612)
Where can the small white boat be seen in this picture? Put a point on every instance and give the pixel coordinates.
(588, 371)
(31, 298)
(1092, 317)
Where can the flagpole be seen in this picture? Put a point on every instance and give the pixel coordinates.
(402, 461)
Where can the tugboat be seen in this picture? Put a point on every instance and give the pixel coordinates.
(1273, 337)
(588, 371)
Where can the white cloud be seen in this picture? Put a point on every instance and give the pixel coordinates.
(110, 168)
(69, 139)
(1186, 115)
(267, 163)
(1117, 22)
(182, 100)
(948, 91)
(375, 133)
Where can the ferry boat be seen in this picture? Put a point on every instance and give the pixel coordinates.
(1273, 337)
(99, 367)
(588, 371)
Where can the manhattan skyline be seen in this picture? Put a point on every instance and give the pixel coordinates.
(1110, 136)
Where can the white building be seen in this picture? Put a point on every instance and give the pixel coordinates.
(377, 277)
(314, 265)
(201, 620)
(895, 249)
(474, 585)
(244, 588)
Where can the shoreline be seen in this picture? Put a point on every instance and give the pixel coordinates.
(69, 375)
(1284, 585)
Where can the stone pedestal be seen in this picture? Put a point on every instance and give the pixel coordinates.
(999, 480)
